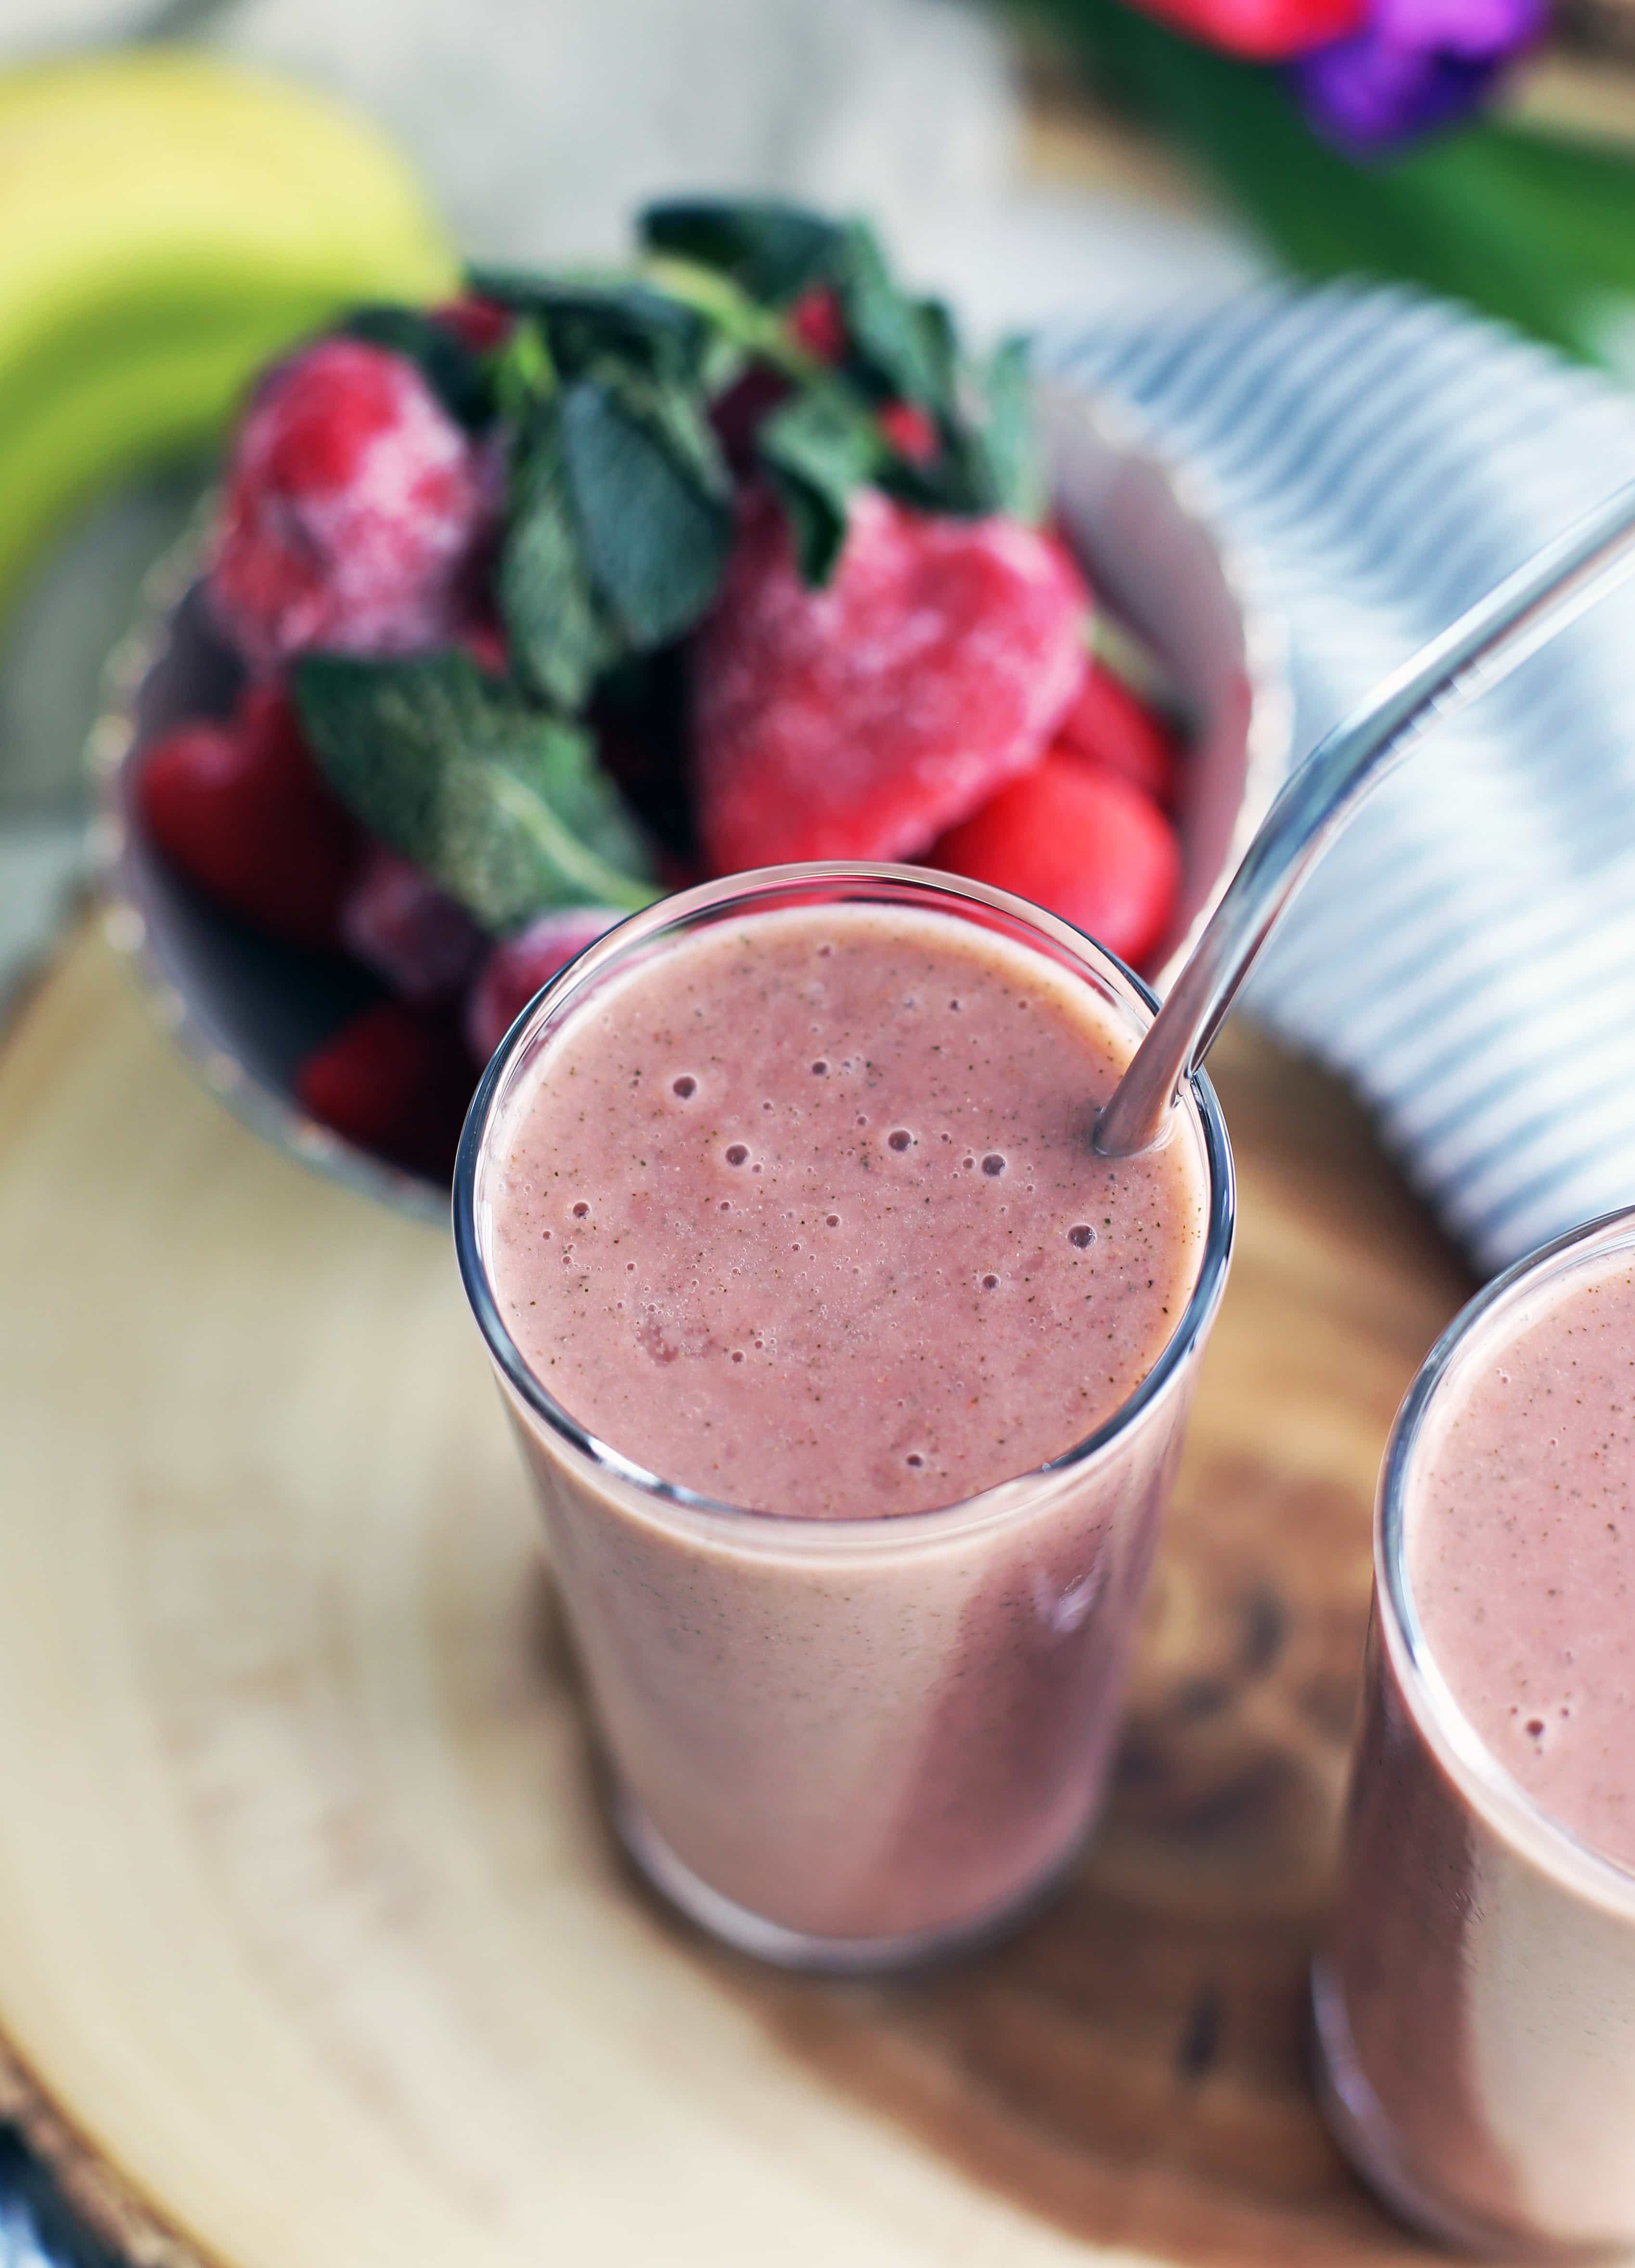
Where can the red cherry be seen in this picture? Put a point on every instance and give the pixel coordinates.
(1080, 842)
(242, 810)
(1108, 724)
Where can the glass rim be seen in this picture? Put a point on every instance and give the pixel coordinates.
(894, 883)
(1491, 1787)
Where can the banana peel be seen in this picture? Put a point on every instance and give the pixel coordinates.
(168, 221)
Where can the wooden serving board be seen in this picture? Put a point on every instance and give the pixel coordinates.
(313, 1950)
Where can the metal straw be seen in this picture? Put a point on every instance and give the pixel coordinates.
(1524, 613)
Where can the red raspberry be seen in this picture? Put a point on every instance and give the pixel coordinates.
(399, 924)
(861, 720)
(815, 322)
(517, 969)
(1109, 725)
(477, 323)
(395, 1080)
(243, 811)
(911, 432)
(1080, 842)
(354, 509)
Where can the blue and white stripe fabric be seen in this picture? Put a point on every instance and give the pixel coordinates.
(1466, 954)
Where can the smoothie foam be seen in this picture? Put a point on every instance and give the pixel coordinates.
(809, 1221)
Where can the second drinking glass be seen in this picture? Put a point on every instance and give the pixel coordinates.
(843, 1735)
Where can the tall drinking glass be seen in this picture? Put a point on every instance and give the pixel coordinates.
(848, 1743)
(1475, 2001)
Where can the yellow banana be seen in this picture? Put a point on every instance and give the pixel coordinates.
(167, 222)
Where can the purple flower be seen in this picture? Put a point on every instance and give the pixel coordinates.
(1416, 65)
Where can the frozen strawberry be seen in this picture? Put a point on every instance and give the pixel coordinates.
(396, 1080)
(242, 810)
(354, 512)
(1109, 724)
(911, 432)
(861, 720)
(477, 323)
(415, 936)
(1083, 844)
(817, 322)
(516, 970)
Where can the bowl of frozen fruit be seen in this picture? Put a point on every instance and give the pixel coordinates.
(512, 614)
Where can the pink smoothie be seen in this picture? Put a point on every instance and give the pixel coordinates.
(1521, 1553)
(808, 1220)
(801, 1211)
(1480, 2001)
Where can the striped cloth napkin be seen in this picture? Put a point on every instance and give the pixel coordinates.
(1466, 954)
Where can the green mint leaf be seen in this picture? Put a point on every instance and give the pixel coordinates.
(1008, 438)
(770, 249)
(651, 501)
(524, 373)
(989, 460)
(558, 634)
(501, 805)
(817, 526)
(589, 317)
(817, 448)
(462, 380)
(903, 344)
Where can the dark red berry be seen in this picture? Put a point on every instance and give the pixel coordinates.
(1080, 842)
(911, 432)
(816, 322)
(242, 810)
(484, 638)
(398, 923)
(738, 415)
(354, 513)
(477, 323)
(395, 1080)
(516, 970)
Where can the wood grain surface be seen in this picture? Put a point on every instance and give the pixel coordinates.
(313, 1951)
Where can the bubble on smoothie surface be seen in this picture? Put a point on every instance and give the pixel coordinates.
(736, 1153)
(1081, 1235)
(820, 1069)
(991, 1283)
(899, 1139)
(686, 1087)
(993, 1165)
(581, 1211)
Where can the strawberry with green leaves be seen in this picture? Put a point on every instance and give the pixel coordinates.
(594, 578)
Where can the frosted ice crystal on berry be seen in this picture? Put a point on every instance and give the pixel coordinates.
(356, 511)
